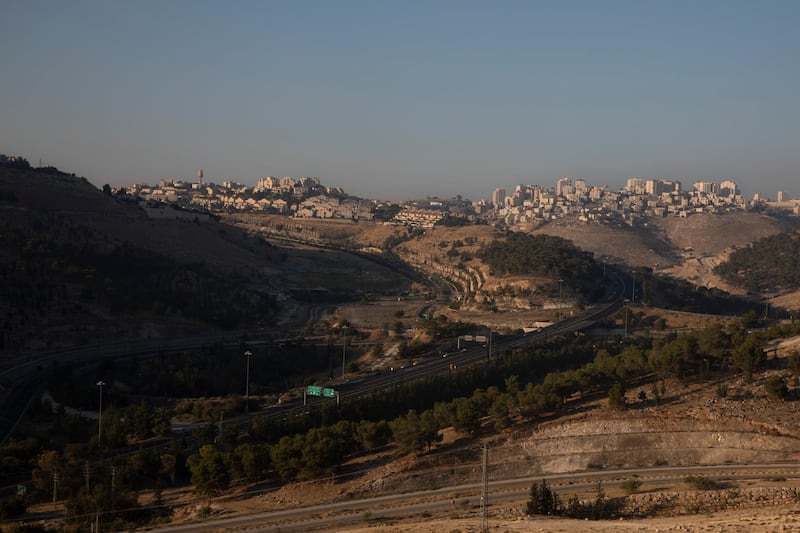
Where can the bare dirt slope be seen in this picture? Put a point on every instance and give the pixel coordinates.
(705, 241)
(788, 301)
(336, 231)
(759, 519)
(639, 246)
(708, 234)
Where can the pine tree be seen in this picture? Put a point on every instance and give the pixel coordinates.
(543, 501)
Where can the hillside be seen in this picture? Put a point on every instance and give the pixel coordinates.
(685, 248)
(75, 199)
(665, 242)
(768, 265)
(725, 421)
(641, 246)
(80, 266)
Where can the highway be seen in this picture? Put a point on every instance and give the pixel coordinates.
(21, 383)
(365, 384)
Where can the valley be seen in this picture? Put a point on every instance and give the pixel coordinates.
(325, 302)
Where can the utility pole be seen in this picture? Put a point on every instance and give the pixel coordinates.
(87, 472)
(55, 486)
(247, 356)
(485, 491)
(455, 481)
(100, 384)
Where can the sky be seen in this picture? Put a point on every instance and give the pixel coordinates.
(405, 99)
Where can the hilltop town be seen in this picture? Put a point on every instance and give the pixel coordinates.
(307, 197)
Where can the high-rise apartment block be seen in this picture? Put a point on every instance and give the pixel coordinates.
(705, 187)
(635, 186)
(499, 198)
(563, 187)
(728, 188)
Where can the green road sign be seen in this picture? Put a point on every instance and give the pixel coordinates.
(329, 393)
(313, 390)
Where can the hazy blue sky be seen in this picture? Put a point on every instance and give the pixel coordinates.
(401, 99)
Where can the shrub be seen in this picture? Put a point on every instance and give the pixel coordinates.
(616, 396)
(631, 486)
(776, 387)
(701, 482)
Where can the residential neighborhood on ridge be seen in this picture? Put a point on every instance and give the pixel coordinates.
(307, 197)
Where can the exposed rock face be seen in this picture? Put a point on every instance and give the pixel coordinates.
(653, 439)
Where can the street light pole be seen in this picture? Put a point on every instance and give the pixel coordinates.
(560, 299)
(626, 318)
(100, 384)
(247, 355)
(344, 347)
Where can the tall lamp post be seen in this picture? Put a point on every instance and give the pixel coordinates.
(100, 384)
(344, 347)
(247, 356)
(626, 318)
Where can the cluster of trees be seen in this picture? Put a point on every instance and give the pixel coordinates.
(309, 455)
(544, 500)
(14, 162)
(105, 491)
(667, 292)
(216, 370)
(547, 256)
(400, 236)
(386, 212)
(771, 264)
(134, 423)
(454, 222)
(441, 328)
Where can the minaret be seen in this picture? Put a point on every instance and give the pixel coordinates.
(200, 176)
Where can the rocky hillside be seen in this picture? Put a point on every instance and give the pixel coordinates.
(687, 249)
(728, 422)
